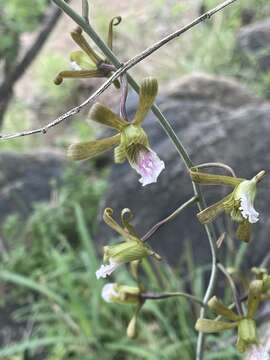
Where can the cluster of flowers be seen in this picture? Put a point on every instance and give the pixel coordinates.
(131, 143)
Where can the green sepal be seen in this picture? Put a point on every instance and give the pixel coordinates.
(105, 116)
(220, 309)
(204, 178)
(210, 213)
(90, 149)
(213, 326)
(254, 297)
(83, 44)
(81, 59)
(147, 95)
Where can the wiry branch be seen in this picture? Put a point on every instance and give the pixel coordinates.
(122, 68)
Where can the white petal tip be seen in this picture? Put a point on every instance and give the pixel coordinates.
(74, 66)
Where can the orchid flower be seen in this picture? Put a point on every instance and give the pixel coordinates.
(131, 142)
(245, 325)
(131, 249)
(122, 294)
(88, 63)
(239, 204)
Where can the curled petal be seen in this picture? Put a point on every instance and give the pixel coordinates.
(87, 150)
(148, 93)
(77, 74)
(114, 22)
(148, 165)
(109, 220)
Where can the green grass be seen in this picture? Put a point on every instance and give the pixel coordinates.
(57, 291)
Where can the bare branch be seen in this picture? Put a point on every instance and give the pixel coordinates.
(122, 68)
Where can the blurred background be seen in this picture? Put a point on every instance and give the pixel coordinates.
(214, 87)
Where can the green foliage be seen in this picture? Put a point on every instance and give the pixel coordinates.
(16, 17)
(61, 295)
(22, 16)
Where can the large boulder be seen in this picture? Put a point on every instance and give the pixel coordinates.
(26, 178)
(254, 42)
(214, 127)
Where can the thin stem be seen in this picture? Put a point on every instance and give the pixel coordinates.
(219, 165)
(265, 261)
(121, 67)
(162, 120)
(85, 10)
(169, 218)
(233, 287)
(124, 94)
(155, 296)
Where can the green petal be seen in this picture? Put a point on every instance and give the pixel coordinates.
(254, 297)
(126, 218)
(83, 44)
(105, 116)
(107, 217)
(212, 326)
(119, 154)
(220, 309)
(87, 150)
(212, 179)
(243, 231)
(148, 93)
(209, 214)
(114, 22)
(80, 58)
(77, 74)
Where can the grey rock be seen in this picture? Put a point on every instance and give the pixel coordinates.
(212, 129)
(254, 42)
(26, 178)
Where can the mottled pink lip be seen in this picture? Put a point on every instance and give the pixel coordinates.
(148, 165)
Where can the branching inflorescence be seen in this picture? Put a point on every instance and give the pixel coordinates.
(131, 143)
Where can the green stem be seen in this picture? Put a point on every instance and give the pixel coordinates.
(164, 123)
(155, 296)
(169, 218)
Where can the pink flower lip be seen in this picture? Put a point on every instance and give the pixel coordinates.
(148, 165)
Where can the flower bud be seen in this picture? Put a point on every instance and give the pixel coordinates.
(121, 294)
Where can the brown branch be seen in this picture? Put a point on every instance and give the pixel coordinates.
(122, 68)
(6, 89)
